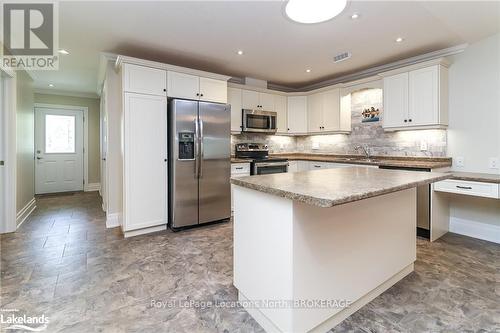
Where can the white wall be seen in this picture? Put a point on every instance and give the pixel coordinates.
(474, 128)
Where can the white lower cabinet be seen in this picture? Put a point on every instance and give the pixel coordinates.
(238, 170)
(144, 161)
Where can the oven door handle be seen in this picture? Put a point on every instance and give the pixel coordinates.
(271, 164)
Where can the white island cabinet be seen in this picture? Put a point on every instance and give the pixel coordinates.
(322, 243)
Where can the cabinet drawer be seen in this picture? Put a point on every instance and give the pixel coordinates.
(240, 168)
(477, 189)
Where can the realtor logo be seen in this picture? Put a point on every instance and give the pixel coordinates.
(30, 35)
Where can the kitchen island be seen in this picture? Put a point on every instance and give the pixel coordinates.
(311, 248)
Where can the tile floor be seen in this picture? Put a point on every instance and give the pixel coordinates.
(64, 263)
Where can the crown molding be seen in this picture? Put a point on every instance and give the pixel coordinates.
(104, 59)
(373, 71)
(66, 93)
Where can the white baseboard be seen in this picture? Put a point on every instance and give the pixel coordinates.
(488, 232)
(23, 214)
(92, 187)
(144, 231)
(112, 220)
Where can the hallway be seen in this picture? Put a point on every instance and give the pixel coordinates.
(64, 263)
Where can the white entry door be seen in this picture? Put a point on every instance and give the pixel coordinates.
(58, 150)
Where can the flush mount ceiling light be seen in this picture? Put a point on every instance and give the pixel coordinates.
(314, 11)
(399, 40)
(240, 52)
(308, 71)
(355, 16)
(63, 51)
(51, 85)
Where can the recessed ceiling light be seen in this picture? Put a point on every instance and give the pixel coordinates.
(63, 51)
(308, 70)
(51, 85)
(240, 52)
(399, 40)
(307, 11)
(355, 16)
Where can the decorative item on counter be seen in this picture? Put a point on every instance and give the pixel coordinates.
(370, 115)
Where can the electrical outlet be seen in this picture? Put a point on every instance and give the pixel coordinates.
(460, 161)
(423, 145)
(315, 145)
(493, 162)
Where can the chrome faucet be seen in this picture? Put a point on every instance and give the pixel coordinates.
(365, 149)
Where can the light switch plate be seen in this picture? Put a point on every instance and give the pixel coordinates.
(493, 163)
(460, 161)
(423, 145)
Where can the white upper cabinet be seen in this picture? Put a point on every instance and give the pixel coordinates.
(234, 99)
(324, 113)
(250, 99)
(314, 114)
(182, 85)
(144, 80)
(395, 100)
(331, 110)
(212, 90)
(280, 107)
(297, 114)
(416, 99)
(266, 101)
(423, 96)
(257, 100)
(189, 86)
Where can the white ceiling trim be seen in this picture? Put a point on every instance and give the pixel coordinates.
(374, 70)
(66, 93)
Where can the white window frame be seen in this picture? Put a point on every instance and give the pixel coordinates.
(85, 111)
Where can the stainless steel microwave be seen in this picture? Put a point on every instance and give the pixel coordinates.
(259, 121)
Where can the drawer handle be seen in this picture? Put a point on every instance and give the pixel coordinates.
(317, 166)
(464, 187)
(240, 168)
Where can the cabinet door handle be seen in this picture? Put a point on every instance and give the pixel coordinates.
(464, 187)
(165, 90)
(405, 120)
(202, 96)
(240, 168)
(317, 166)
(197, 94)
(409, 120)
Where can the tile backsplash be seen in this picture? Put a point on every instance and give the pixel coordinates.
(401, 143)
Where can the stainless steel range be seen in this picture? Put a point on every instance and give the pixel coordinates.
(260, 162)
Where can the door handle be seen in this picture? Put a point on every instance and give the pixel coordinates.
(39, 158)
(196, 157)
(464, 187)
(202, 149)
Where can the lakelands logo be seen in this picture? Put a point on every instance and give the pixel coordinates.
(30, 35)
(11, 320)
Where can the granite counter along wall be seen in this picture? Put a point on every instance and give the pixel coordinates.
(401, 143)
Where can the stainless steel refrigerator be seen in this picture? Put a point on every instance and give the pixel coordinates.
(199, 162)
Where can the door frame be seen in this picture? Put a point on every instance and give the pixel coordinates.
(85, 111)
(8, 222)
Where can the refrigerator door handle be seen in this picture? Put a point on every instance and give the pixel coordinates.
(196, 157)
(202, 151)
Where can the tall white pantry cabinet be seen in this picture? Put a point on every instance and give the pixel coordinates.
(145, 172)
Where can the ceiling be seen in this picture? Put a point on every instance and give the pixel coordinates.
(206, 35)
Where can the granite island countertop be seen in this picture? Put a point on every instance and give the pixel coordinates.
(390, 161)
(332, 187)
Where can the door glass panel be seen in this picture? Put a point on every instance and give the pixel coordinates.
(59, 134)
